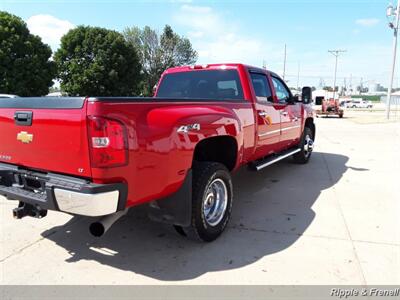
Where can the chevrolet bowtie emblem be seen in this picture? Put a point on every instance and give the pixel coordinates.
(25, 137)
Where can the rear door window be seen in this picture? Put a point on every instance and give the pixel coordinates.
(204, 84)
(261, 87)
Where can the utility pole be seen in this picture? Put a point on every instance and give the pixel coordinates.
(351, 84)
(321, 82)
(335, 53)
(284, 65)
(395, 26)
(361, 85)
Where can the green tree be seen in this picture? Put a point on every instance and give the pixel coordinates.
(25, 68)
(159, 52)
(330, 89)
(98, 62)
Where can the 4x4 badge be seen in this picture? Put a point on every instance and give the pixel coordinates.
(190, 127)
(25, 137)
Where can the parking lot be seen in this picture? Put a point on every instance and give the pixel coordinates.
(333, 221)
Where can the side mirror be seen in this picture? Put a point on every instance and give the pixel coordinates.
(306, 94)
(296, 98)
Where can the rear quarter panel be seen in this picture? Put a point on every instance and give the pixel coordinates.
(159, 156)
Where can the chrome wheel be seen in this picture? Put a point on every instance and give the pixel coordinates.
(308, 145)
(215, 201)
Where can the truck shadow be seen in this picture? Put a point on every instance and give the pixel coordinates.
(272, 210)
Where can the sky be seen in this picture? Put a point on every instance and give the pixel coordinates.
(251, 32)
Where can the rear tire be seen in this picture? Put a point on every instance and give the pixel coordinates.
(306, 145)
(212, 199)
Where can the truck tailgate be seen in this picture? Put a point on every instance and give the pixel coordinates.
(45, 134)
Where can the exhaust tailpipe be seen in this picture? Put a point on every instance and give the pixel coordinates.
(101, 226)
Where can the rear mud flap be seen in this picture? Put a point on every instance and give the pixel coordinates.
(175, 209)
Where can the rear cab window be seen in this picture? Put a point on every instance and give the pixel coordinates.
(202, 84)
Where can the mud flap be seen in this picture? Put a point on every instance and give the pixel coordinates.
(175, 209)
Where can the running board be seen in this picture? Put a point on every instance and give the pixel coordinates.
(273, 159)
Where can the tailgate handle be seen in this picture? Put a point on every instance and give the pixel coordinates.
(23, 118)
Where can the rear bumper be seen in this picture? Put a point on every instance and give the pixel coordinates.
(61, 193)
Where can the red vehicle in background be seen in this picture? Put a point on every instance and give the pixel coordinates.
(328, 107)
(174, 153)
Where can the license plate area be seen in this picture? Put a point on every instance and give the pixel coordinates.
(30, 183)
(33, 184)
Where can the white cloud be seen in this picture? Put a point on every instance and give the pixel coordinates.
(218, 39)
(196, 9)
(195, 34)
(49, 28)
(198, 18)
(367, 22)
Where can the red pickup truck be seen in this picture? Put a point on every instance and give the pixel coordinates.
(174, 152)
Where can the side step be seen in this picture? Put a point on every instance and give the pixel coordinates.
(274, 158)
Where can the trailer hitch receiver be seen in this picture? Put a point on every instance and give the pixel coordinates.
(25, 209)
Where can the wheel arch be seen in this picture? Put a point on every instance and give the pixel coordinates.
(222, 149)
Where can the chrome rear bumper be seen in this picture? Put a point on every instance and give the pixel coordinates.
(68, 194)
(92, 205)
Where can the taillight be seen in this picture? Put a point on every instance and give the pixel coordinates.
(108, 142)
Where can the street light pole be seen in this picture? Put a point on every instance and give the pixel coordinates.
(395, 28)
(284, 65)
(336, 53)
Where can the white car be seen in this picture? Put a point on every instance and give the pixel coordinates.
(8, 96)
(359, 104)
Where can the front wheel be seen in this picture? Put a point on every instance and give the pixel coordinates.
(306, 146)
(212, 199)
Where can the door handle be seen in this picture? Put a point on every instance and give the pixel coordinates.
(284, 113)
(295, 119)
(23, 118)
